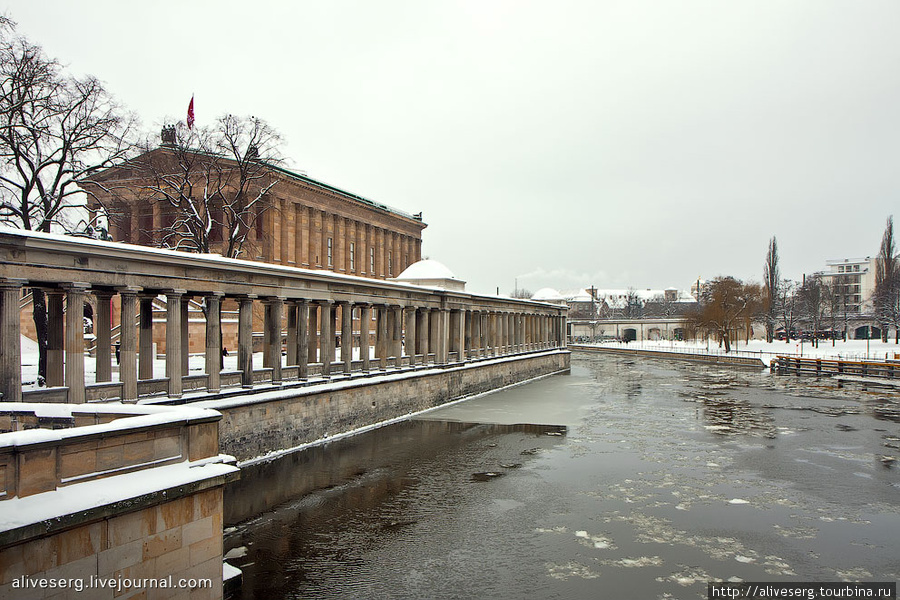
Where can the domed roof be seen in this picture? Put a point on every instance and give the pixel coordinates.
(431, 273)
(547, 295)
(426, 269)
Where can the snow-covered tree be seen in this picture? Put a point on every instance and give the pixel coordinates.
(55, 129)
(209, 184)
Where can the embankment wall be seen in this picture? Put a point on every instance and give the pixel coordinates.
(253, 426)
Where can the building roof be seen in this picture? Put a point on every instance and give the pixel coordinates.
(430, 272)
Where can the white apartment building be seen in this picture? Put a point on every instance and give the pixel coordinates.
(855, 280)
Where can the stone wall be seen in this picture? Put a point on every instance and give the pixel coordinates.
(110, 502)
(252, 427)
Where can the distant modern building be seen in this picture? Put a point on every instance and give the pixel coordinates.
(854, 279)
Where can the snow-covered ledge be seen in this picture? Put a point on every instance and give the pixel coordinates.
(116, 488)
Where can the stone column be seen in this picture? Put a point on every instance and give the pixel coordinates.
(303, 339)
(411, 334)
(468, 346)
(423, 330)
(267, 334)
(174, 299)
(273, 326)
(10, 340)
(245, 340)
(291, 342)
(347, 336)
(397, 335)
(442, 336)
(326, 336)
(55, 339)
(145, 366)
(460, 333)
(185, 336)
(128, 343)
(381, 341)
(434, 336)
(213, 341)
(102, 329)
(75, 341)
(312, 347)
(365, 323)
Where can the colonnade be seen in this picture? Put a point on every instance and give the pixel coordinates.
(304, 338)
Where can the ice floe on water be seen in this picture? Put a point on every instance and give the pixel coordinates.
(571, 569)
(595, 541)
(738, 501)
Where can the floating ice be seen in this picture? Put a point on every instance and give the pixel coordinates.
(738, 501)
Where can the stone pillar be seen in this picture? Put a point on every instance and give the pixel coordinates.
(468, 346)
(213, 341)
(145, 366)
(291, 342)
(365, 323)
(267, 334)
(381, 341)
(460, 333)
(411, 317)
(423, 331)
(55, 339)
(397, 335)
(102, 329)
(245, 340)
(312, 347)
(10, 340)
(434, 337)
(128, 344)
(273, 326)
(347, 335)
(326, 336)
(185, 335)
(174, 299)
(442, 337)
(303, 339)
(75, 341)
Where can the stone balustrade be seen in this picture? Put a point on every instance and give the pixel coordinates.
(316, 325)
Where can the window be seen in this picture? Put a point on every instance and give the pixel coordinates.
(390, 263)
(372, 260)
(352, 256)
(330, 250)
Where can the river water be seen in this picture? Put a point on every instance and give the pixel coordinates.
(626, 479)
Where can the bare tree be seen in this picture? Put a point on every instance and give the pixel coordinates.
(787, 307)
(835, 307)
(727, 306)
(771, 279)
(887, 286)
(633, 308)
(813, 304)
(210, 184)
(55, 129)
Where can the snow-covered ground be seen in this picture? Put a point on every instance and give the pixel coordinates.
(851, 349)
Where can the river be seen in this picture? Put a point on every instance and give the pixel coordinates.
(627, 479)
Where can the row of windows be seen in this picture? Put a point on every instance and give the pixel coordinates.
(330, 257)
(848, 269)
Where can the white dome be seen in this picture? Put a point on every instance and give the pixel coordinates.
(546, 294)
(426, 269)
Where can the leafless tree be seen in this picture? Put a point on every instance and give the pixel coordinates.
(887, 284)
(211, 184)
(633, 308)
(771, 280)
(787, 307)
(727, 305)
(55, 129)
(813, 304)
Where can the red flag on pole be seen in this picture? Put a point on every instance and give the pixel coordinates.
(190, 115)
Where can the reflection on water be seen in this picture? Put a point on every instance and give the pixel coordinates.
(657, 478)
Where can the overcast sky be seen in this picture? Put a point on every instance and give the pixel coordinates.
(566, 144)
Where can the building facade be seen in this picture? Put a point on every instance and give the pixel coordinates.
(298, 221)
(854, 280)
